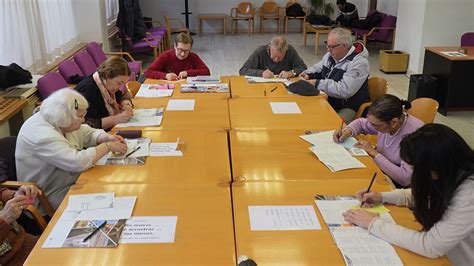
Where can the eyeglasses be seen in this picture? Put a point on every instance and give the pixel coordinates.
(331, 47)
(183, 51)
(76, 104)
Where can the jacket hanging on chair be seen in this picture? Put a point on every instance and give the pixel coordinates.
(130, 19)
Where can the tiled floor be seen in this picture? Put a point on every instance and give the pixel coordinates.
(225, 56)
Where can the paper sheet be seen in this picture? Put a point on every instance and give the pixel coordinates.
(268, 218)
(335, 157)
(180, 105)
(90, 201)
(380, 209)
(325, 137)
(149, 229)
(285, 108)
(165, 149)
(203, 79)
(252, 79)
(122, 209)
(144, 118)
(152, 91)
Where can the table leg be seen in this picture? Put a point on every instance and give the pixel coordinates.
(225, 26)
(304, 34)
(316, 43)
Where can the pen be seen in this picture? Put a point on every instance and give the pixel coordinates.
(274, 89)
(368, 189)
(94, 231)
(340, 129)
(264, 92)
(130, 153)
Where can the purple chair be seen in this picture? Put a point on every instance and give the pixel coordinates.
(69, 68)
(467, 39)
(147, 44)
(50, 83)
(385, 32)
(85, 62)
(98, 55)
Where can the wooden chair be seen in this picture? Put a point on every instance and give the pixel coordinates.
(133, 87)
(170, 22)
(269, 11)
(244, 11)
(287, 18)
(378, 86)
(424, 109)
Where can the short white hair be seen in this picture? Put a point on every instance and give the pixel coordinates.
(342, 35)
(60, 108)
(280, 43)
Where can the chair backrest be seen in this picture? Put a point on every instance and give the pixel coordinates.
(85, 62)
(384, 35)
(50, 83)
(7, 159)
(378, 86)
(133, 87)
(467, 39)
(424, 109)
(269, 8)
(245, 8)
(96, 52)
(69, 68)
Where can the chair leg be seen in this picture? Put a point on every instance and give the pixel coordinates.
(286, 25)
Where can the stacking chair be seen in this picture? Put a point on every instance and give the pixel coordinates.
(147, 44)
(69, 68)
(244, 11)
(50, 83)
(301, 18)
(98, 55)
(8, 172)
(424, 109)
(378, 86)
(170, 22)
(85, 62)
(133, 87)
(467, 39)
(269, 11)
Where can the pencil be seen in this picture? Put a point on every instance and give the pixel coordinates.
(130, 153)
(94, 231)
(368, 189)
(274, 89)
(264, 92)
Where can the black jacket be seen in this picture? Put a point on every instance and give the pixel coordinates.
(130, 19)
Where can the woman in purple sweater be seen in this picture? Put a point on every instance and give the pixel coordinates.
(387, 120)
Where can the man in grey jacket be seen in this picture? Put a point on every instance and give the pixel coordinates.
(276, 58)
(342, 74)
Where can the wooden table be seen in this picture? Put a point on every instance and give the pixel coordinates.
(281, 155)
(303, 247)
(208, 113)
(316, 30)
(190, 95)
(256, 113)
(204, 231)
(222, 17)
(240, 87)
(205, 160)
(455, 77)
(11, 111)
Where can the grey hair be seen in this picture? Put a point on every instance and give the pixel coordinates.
(60, 108)
(342, 35)
(280, 43)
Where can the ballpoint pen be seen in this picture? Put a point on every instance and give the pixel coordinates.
(94, 231)
(368, 189)
(274, 89)
(130, 153)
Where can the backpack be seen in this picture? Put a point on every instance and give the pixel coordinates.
(295, 10)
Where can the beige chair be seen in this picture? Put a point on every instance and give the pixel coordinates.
(302, 18)
(244, 11)
(133, 87)
(170, 22)
(269, 11)
(378, 86)
(424, 109)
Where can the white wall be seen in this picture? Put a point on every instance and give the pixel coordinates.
(91, 21)
(424, 23)
(388, 7)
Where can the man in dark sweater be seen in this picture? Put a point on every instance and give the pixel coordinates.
(348, 13)
(276, 58)
(178, 63)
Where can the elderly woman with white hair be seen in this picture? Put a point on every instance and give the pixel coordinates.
(54, 146)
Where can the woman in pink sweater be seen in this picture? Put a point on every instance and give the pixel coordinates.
(387, 120)
(441, 197)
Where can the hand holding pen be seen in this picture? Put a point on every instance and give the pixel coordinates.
(267, 74)
(368, 198)
(341, 135)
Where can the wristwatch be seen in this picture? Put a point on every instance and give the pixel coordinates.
(293, 72)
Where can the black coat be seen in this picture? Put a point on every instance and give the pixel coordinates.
(130, 20)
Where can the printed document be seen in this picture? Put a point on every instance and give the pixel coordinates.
(122, 208)
(144, 118)
(269, 218)
(153, 91)
(335, 157)
(285, 108)
(149, 229)
(90, 201)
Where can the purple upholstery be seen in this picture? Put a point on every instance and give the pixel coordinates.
(50, 83)
(135, 66)
(96, 52)
(381, 35)
(69, 68)
(467, 39)
(85, 62)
